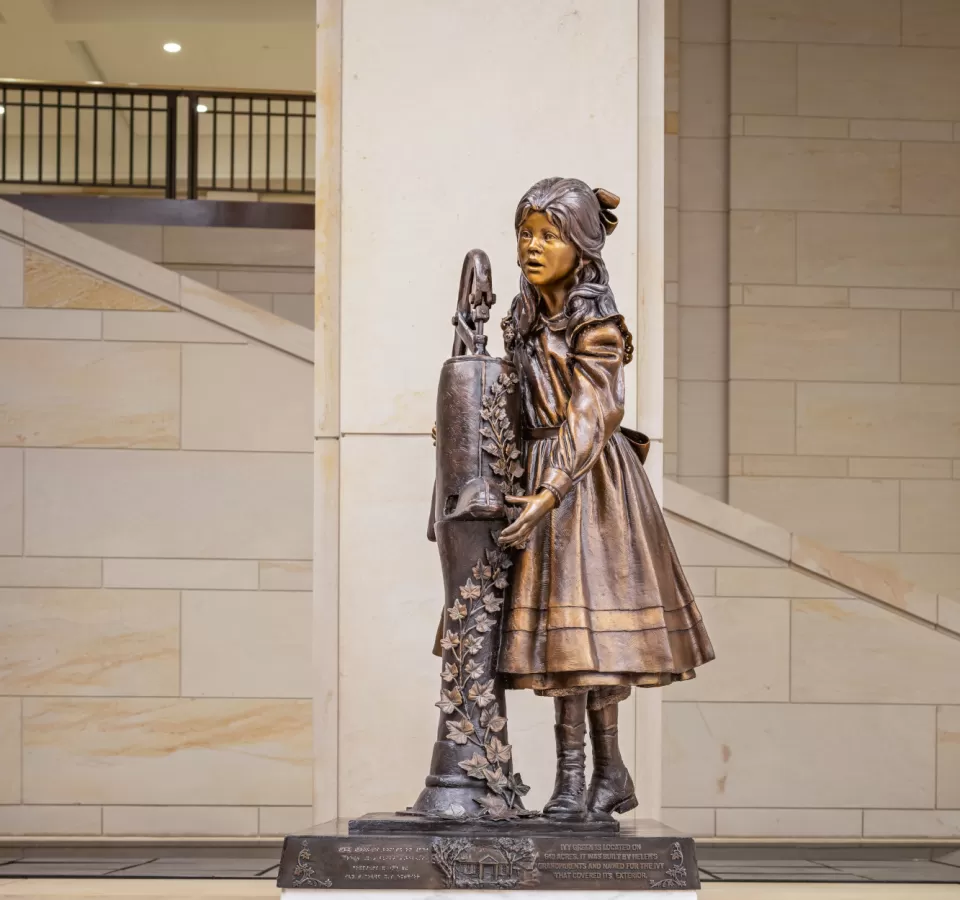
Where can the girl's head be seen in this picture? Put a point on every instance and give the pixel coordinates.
(562, 225)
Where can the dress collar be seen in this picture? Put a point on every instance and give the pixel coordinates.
(555, 323)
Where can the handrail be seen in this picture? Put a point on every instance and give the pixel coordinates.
(149, 139)
(163, 88)
(863, 580)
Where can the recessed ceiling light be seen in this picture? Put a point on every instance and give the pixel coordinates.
(172, 47)
(201, 108)
(94, 82)
(3, 109)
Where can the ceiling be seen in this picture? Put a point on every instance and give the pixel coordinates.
(261, 44)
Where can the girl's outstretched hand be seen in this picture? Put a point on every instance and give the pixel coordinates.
(535, 507)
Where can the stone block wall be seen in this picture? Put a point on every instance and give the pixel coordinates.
(266, 267)
(155, 610)
(832, 707)
(696, 225)
(155, 546)
(845, 276)
(813, 349)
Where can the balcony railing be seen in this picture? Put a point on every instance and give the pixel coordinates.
(168, 142)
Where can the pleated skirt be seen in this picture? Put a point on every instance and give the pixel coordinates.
(598, 597)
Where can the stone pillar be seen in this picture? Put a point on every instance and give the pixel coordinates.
(326, 523)
(649, 342)
(450, 111)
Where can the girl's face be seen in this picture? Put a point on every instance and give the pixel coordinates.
(545, 257)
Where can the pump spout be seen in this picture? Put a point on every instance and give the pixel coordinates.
(473, 305)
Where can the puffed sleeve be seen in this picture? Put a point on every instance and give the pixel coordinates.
(595, 409)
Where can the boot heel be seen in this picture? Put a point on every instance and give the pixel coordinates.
(626, 805)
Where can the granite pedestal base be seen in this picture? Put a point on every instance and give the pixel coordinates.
(644, 856)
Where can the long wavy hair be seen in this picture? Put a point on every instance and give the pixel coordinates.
(584, 219)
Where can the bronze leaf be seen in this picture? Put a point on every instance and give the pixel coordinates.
(472, 670)
(457, 611)
(497, 751)
(492, 710)
(482, 693)
(450, 640)
(496, 780)
(492, 603)
(483, 623)
(472, 644)
(450, 672)
(495, 806)
(475, 766)
(517, 785)
(470, 591)
(497, 724)
(459, 732)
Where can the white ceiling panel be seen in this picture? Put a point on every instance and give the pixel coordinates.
(226, 44)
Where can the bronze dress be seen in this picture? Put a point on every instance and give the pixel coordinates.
(598, 597)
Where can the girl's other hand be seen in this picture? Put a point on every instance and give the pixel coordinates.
(535, 508)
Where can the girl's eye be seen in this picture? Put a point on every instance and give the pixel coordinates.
(549, 237)
(525, 235)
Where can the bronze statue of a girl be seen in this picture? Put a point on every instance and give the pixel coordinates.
(598, 601)
(584, 597)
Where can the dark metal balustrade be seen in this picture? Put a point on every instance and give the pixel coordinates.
(168, 142)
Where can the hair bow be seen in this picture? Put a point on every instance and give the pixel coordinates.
(608, 201)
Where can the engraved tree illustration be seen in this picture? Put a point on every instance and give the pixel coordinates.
(445, 852)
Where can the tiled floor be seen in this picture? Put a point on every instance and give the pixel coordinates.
(141, 862)
(248, 873)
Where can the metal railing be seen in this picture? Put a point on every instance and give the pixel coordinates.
(171, 142)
